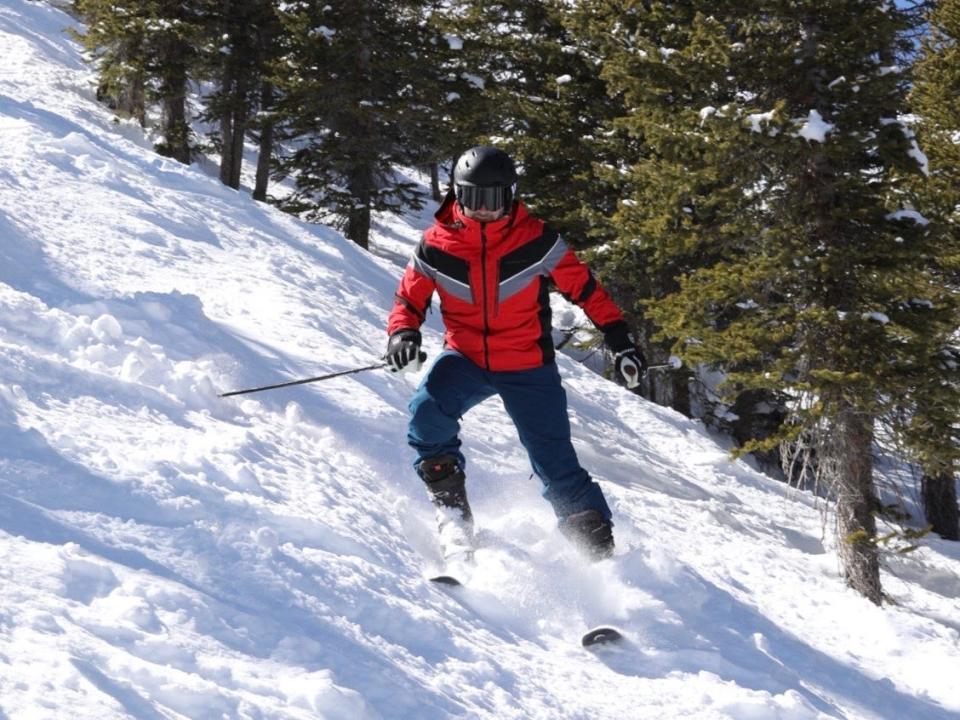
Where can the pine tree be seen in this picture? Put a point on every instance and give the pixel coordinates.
(353, 97)
(771, 189)
(447, 94)
(936, 99)
(241, 40)
(115, 36)
(145, 52)
(680, 179)
(174, 34)
(541, 99)
(931, 427)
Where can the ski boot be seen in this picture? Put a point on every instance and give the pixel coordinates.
(590, 533)
(446, 484)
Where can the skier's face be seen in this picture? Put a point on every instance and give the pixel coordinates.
(483, 215)
(484, 203)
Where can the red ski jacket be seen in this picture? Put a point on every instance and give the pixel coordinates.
(492, 279)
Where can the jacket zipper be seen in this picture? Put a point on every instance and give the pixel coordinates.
(496, 295)
(483, 279)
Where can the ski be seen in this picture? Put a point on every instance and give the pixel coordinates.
(453, 574)
(446, 580)
(603, 635)
(457, 559)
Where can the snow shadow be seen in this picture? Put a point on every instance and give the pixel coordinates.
(57, 127)
(72, 147)
(32, 522)
(43, 28)
(712, 631)
(33, 472)
(21, 260)
(128, 698)
(239, 596)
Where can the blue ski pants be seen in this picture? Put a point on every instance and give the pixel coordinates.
(535, 401)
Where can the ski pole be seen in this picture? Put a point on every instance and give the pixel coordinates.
(674, 363)
(318, 378)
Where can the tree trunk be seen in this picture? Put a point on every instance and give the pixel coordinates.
(266, 145)
(360, 173)
(226, 146)
(435, 182)
(847, 456)
(136, 104)
(241, 113)
(233, 126)
(176, 131)
(758, 415)
(227, 99)
(265, 44)
(670, 389)
(940, 504)
(233, 130)
(358, 226)
(358, 216)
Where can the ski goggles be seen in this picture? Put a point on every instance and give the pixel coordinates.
(489, 197)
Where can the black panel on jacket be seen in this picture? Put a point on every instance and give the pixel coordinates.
(445, 263)
(545, 341)
(528, 254)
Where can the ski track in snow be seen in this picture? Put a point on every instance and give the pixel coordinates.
(168, 554)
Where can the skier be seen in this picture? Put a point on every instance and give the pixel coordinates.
(490, 263)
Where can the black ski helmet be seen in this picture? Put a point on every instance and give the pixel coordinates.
(484, 167)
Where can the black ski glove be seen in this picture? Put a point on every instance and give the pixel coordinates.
(403, 351)
(629, 363)
(630, 367)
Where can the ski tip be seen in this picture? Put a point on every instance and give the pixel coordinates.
(602, 635)
(445, 580)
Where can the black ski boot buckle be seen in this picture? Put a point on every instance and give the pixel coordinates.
(446, 483)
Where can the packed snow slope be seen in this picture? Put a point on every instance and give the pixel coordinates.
(168, 554)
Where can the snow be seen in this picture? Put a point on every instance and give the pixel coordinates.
(165, 553)
(814, 128)
(919, 155)
(911, 215)
(475, 80)
(757, 120)
(906, 123)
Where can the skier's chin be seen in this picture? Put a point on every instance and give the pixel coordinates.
(484, 216)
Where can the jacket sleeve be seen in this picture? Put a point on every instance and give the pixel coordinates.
(575, 281)
(412, 297)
